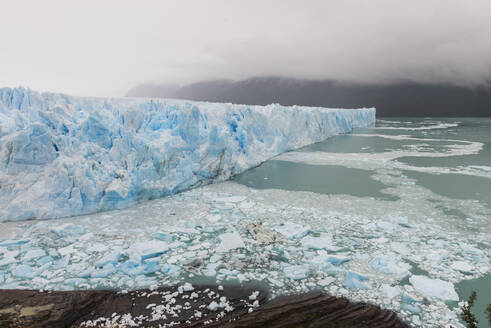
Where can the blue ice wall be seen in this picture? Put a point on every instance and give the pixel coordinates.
(62, 155)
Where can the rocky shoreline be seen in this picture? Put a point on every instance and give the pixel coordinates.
(186, 306)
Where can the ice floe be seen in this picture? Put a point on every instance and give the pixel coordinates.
(434, 287)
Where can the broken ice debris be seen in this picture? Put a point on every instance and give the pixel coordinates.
(389, 292)
(326, 281)
(296, 272)
(337, 259)
(230, 199)
(145, 250)
(24, 271)
(164, 236)
(329, 263)
(293, 230)
(400, 248)
(103, 272)
(13, 242)
(33, 254)
(386, 226)
(262, 235)
(390, 266)
(319, 243)
(68, 230)
(462, 267)
(113, 258)
(170, 270)
(411, 308)
(213, 306)
(434, 288)
(229, 241)
(355, 280)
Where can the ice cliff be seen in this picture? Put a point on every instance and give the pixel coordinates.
(62, 155)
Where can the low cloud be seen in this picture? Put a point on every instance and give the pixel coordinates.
(106, 47)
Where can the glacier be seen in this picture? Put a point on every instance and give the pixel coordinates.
(63, 155)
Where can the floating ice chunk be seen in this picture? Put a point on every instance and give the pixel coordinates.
(44, 260)
(355, 280)
(253, 296)
(76, 282)
(7, 261)
(13, 242)
(434, 288)
(66, 250)
(180, 230)
(214, 218)
(329, 263)
(293, 230)
(97, 248)
(296, 272)
(337, 259)
(390, 266)
(246, 205)
(411, 308)
(103, 272)
(462, 267)
(438, 243)
(33, 254)
(326, 281)
(411, 298)
(24, 271)
(389, 292)
(131, 268)
(113, 258)
(385, 226)
(481, 167)
(165, 236)
(471, 249)
(213, 306)
(211, 269)
(401, 248)
(68, 229)
(229, 241)
(319, 243)
(2, 277)
(231, 199)
(402, 220)
(148, 249)
(170, 270)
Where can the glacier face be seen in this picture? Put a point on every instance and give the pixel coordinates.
(62, 155)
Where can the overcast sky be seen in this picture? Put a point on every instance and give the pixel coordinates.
(106, 47)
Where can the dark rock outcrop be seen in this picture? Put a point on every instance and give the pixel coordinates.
(21, 308)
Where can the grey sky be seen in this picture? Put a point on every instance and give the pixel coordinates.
(106, 47)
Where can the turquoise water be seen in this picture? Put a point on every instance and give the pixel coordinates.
(324, 179)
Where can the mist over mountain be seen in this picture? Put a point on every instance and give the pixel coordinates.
(396, 100)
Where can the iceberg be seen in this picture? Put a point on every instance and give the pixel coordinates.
(434, 288)
(64, 156)
(292, 230)
(355, 280)
(229, 241)
(296, 272)
(319, 243)
(390, 266)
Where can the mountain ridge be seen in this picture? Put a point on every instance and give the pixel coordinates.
(400, 99)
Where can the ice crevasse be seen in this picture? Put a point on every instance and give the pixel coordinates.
(63, 155)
